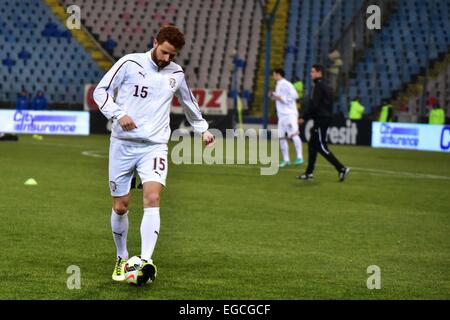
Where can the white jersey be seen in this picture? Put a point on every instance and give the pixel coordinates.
(145, 93)
(286, 91)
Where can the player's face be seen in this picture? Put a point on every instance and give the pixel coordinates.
(315, 74)
(164, 53)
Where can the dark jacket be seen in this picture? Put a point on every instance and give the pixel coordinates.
(321, 103)
(22, 103)
(39, 103)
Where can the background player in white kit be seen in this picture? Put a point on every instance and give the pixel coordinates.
(145, 83)
(285, 97)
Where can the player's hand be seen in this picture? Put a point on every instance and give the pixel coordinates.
(208, 138)
(301, 121)
(127, 123)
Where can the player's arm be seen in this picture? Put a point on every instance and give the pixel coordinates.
(276, 95)
(193, 114)
(104, 93)
(290, 95)
(286, 94)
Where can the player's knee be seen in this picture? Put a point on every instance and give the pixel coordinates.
(152, 199)
(120, 207)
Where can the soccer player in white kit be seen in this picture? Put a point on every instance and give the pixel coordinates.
(145, 84)
(285, 97)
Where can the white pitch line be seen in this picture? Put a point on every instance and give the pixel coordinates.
(377, 172)
(380, 172)
(55, 144)
(404, 174)
(94, 153)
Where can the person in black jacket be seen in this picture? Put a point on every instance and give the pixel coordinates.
(320, 110)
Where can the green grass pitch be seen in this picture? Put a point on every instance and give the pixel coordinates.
(226, 231)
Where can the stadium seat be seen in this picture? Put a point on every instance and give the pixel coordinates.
(405, 38)
(23, 22)
(208, 50)
(305, 19)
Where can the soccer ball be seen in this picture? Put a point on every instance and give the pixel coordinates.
(131, 268)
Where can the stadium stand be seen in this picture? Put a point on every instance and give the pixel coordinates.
(39, 53)
(438, 85)
(415, 36)
(43, 53)
(277, 48)
(209, 52)
(314, 27)
(208, 57)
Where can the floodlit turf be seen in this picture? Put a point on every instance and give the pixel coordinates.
(226, 231)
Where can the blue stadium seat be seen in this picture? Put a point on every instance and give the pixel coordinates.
(404, 39)
(21, 23)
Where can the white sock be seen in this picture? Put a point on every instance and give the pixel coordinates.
(298, 146)
(149, 232)
(119, 226)
(284, 149)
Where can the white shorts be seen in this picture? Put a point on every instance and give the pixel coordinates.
(149, 160)
(287, 125)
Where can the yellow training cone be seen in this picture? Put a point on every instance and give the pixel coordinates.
(30, 182)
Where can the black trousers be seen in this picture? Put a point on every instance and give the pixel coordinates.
(318, 144)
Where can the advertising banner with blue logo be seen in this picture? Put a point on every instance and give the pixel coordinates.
(411, 136)
(44, 122)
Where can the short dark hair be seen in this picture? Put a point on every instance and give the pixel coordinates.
(279, 71)
(318, 67)
(172, 35)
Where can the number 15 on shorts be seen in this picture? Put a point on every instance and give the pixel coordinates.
(159, 164)
(159, 169)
